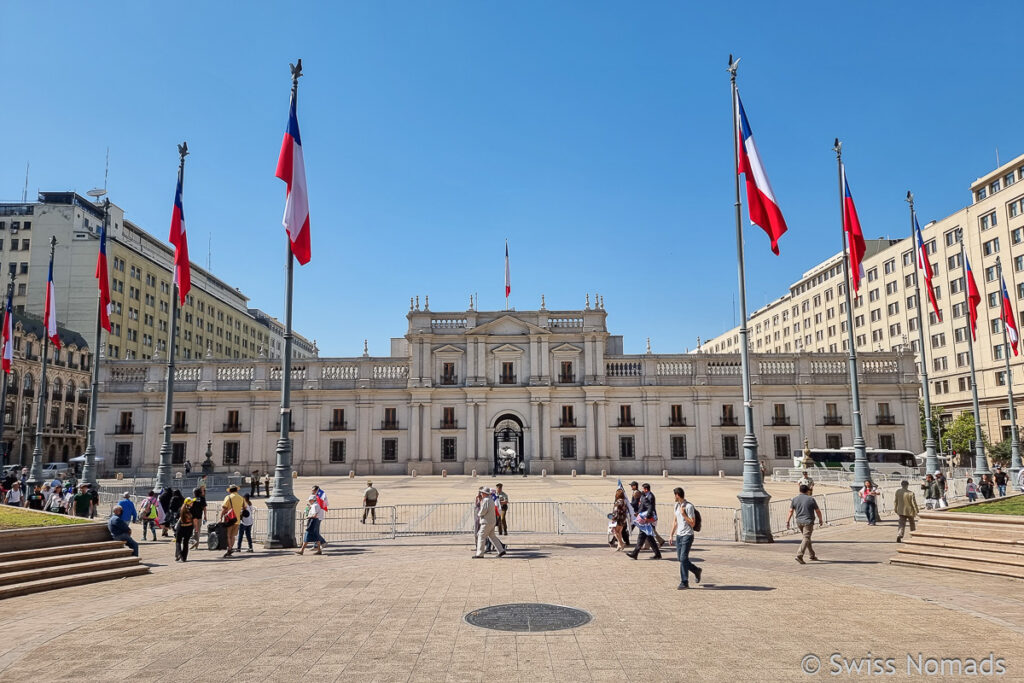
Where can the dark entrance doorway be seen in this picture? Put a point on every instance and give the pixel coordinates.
(508, 444)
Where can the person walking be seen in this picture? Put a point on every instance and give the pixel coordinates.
(266, 484)
(370, 496)
(488, 520)
(188, 467)
(120, 530)
(183, 529)
(198, 515)
(247, 519)
(972, 490)
(36, 499)
(986, 487)
(502, 511)
(932, 493)
(682, 535)
(648, 496)
(149, 512)
(805, 507)
(254, 484)
(177, 500)
(905, 506)
(230, 515)
(55, 503)
(163, 519)
(314, 515)
(869, 494)
(646, 517)
(1000, 479)
(807, 481)
(82, 505)
(943, 488)
(128, 511)
(14, 496)
(95, 495)
(620, 517)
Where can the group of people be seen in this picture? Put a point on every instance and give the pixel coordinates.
(490, 511)
(53, 497)
(991, 485)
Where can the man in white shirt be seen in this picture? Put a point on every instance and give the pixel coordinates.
(682, 536)
(15, 496)
(370, 496)
(488, 520)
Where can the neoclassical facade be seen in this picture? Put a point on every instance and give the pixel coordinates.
(486, 390)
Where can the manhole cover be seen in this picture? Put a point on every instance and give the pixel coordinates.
(528, 617)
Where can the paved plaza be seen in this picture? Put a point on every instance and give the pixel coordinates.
(393, 610)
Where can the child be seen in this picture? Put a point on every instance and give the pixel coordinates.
(972, 490)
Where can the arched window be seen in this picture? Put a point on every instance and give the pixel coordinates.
(81, 419)
(69, 395)
(68, 424)
(29, 382)
(58, 389)
(12, 381)
(54, 417)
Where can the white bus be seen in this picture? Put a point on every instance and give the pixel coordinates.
(880, 460)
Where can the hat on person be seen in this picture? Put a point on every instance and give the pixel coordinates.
(936, 473)
(312, 497)
(127, 494)
(633, 483)
(484, 489)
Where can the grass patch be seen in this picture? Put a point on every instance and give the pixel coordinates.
(1003, 506)
(16, 518)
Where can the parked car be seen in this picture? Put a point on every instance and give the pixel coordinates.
(54, 469)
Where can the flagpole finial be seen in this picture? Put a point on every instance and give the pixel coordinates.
(183, 151)
(837, 147)
(733, 65)
(296, 69)
(910, 197)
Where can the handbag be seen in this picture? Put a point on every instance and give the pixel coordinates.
(230, 517)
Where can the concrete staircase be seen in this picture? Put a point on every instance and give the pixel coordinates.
(982, 544)
(47, 558)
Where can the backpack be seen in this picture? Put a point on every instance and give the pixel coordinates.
(185, 518)
(696, 520)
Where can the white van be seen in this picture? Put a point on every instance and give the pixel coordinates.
(54, 469)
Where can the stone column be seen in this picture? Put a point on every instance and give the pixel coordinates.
(471, 430)
(481, 360)
(545, 360)
(534, 431)
(591, 429)
(415, 438)
(602, 430)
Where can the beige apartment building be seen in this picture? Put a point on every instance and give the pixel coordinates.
(811, 317)
(215, 320)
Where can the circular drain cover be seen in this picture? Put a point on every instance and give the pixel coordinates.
(528, 617)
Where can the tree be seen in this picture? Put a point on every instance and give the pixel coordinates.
(1000, 452)
(961, 431)
(936, 421)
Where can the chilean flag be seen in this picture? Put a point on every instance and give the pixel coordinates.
(764, 211)
(50, 310)
(508, 277)
(854, 235)
(1008, 319)
(8, 336)
(321, 499)
(104, 279)
(973, 298)
(182, 272)
(292, 170)
(925, 266)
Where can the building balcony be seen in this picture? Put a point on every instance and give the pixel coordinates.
(885, 419)
(507, 379)
(833, 420)
(677, 422)
(780, 420)
(181, 428)
(389, 424)
(124, 429)
(627, 422)
(231, 427)
(277, 428)
(570, 422)
(449, 424)
(449, 380)
(337, 426)
(566, 379)
(728, 421)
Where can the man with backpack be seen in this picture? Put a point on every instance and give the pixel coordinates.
(687, 521)
(148, 513)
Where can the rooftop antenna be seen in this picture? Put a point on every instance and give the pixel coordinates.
(106, 170)
(209, 249)
(24, 192)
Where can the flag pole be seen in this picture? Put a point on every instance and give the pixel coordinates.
(282, 501)
(1015, 463)
(89, 467)
(163, 471)
(36, 473)
(3, 389)
(861, 469)
(980, 462)
(931, 461)
(756, 527)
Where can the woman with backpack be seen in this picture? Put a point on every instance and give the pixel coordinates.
(183, 528)
(55, 503)
(149, 513)
(164, 511)
(620, 516)
(247, 520)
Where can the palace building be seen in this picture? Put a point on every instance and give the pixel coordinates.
(486, 390)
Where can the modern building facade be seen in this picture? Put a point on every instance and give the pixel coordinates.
(68, 380)
(215, 320)
(475, 390)
(811, 317)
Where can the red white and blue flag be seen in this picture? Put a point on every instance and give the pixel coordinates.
(1009, 319)
(973, 298)
(508, 278)
(854, 234)
(925, 266)
(8, 335)
(104, 279)
(291, 169)
(50, 310)
(764, 210)
(321, 499)
(182, 272)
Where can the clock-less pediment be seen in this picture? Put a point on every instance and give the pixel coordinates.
(448, 349)
(566, 349)
(507, 325)
(507, 349)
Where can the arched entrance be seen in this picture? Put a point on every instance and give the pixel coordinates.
(508, 444)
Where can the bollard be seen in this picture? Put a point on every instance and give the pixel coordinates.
(237, 473)
(177, 475)
(574, 474)
(351, 474)
(664, 473)
(473, 474)
(414, 473)
(604, 473)
(543, 473)
(444, 473)
(119, 476)
(295, 475)
(721, 474)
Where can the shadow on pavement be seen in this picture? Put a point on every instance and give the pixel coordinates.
(716, 587)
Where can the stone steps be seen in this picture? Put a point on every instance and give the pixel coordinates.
(53, 583)
(959, 565)
(938, 540)
(44, 562)
(968, 555)
(51, 551)
(56, 571)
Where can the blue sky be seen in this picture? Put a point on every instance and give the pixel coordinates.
(595, 136)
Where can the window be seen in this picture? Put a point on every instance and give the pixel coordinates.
(887, 442)
(677, 447)
(962, 358)
(987, 221)
(626, 416)
(954, 261)
(893, 308)
(337, 419)
(448, 418)
(390, 418)
(997, 353)
(991, 247)
(950, 237)
(1001, 378)
(782, 447)
(233, 424)
(963, 383)
(389, 450)
(448, 373)
(178, 453)
(873, 295)
(676, 418)
(894, 330)
(889, 267)
(231, 453)
(337, 451)
(449, 448)
(728, 417)
(994, 299)
(996, 326)
(872, 274)
(730, 446)
(565, 375)
(876, 315)
(626, 446)
(956, 286)
(123, 455)
(508, 373)
(568, 418)
(958, 310)
(568, 448)
(939, 364)
(1017, 236)
(993, 187)
(960, 335)
(833, 441)
(938, 340)
(980, 194)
